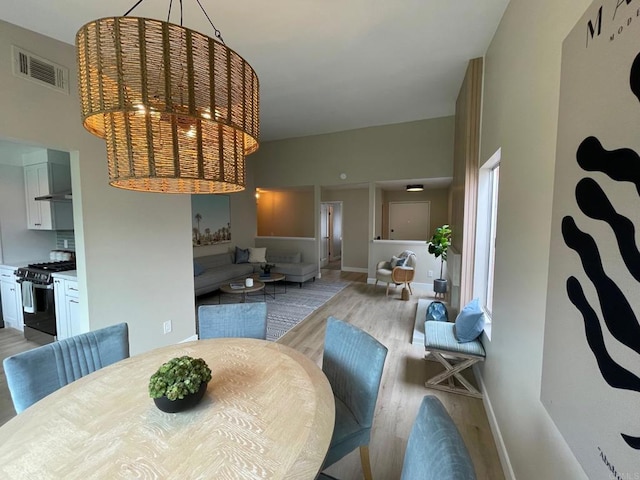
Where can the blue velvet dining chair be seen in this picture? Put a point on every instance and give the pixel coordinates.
(435, 450)
(246, 320)
(352, 361)
(34, 374)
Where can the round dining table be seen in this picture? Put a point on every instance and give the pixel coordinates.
(268, 413)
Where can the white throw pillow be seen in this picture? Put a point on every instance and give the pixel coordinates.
(394, 261)
(257, 255)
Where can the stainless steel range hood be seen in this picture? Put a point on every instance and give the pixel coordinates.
(57, 197)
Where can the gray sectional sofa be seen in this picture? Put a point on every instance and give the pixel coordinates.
(292, 266)
(212, 271)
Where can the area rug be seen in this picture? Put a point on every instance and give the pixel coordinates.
(286, 310)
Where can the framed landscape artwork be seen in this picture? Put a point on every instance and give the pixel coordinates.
(210, 220)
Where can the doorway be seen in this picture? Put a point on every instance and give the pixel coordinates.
(331, 235)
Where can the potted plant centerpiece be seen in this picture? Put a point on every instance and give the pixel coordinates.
(179, 384)
(438, 246)
(266, 268)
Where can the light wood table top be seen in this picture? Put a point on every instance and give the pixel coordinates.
(268, 413)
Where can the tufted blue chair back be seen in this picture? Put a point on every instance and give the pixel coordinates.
(353, 362)
(34, 374)
(435, 449)
(242, 320)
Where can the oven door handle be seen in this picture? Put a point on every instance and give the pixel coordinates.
(42, 286)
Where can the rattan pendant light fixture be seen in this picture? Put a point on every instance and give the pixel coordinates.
(179, 111)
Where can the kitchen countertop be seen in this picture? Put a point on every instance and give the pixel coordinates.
(66, 275)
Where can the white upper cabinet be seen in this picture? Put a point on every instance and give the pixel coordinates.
(46, 178)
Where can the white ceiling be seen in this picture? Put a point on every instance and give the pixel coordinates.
(323, 65)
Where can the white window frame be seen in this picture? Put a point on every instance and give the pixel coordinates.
(486, 227)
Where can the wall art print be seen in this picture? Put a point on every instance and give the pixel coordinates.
(210, 219)
(591, 363)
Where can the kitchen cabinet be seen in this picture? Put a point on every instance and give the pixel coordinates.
(67, 307)
(11, 296)
(44, 179)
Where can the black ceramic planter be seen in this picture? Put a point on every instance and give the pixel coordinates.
(181, 404)
(440, 285)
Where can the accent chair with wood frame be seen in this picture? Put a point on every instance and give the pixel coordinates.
(389, 273)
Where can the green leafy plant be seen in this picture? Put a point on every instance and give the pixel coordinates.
(440, 243)
(266, 268)
(179, 377)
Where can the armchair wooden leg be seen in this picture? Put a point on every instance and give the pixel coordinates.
(387, 292)
(366, 463)
(409, 285)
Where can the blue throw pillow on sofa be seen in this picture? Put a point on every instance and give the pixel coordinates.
(470, 322)
(242, 255)
(197, 269)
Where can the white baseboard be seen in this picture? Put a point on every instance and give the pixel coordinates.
(354, 269)
(493, 423)
(189, 339)
(428, 286)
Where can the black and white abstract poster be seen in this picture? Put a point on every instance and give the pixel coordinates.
(591, 365)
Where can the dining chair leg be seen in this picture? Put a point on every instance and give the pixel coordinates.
(366, 463)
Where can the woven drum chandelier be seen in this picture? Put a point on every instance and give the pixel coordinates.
(179, 111)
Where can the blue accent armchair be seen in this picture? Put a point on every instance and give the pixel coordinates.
(353, 362)
(34, 374)
(435, 450)
(242, 320)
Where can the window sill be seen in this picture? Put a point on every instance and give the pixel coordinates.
(487, 326)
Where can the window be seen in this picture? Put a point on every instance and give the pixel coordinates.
(493, 214)
(487, 220)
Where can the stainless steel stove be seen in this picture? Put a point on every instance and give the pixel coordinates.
(39, 311)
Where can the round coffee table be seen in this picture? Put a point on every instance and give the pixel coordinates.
(238, 288)
(272, 278)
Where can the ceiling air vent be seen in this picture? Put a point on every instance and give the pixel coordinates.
(37, 69)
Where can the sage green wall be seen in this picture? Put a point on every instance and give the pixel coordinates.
(405, 151)
(520, 114)
(355, 225)
(421, 149)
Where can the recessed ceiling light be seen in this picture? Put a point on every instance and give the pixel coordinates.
(415, 188)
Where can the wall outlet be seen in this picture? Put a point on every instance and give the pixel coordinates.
(430, 273)
(167, 326)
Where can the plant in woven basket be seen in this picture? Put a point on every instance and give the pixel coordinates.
(179, 377)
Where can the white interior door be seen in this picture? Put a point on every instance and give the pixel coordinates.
(409, 220)
(324, 234)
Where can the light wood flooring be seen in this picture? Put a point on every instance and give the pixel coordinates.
(11, 342)
(390, 320)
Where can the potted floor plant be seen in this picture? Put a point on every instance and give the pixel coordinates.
(438, 246)
(179, 384)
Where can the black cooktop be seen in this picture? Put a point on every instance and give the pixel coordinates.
(54, 266)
